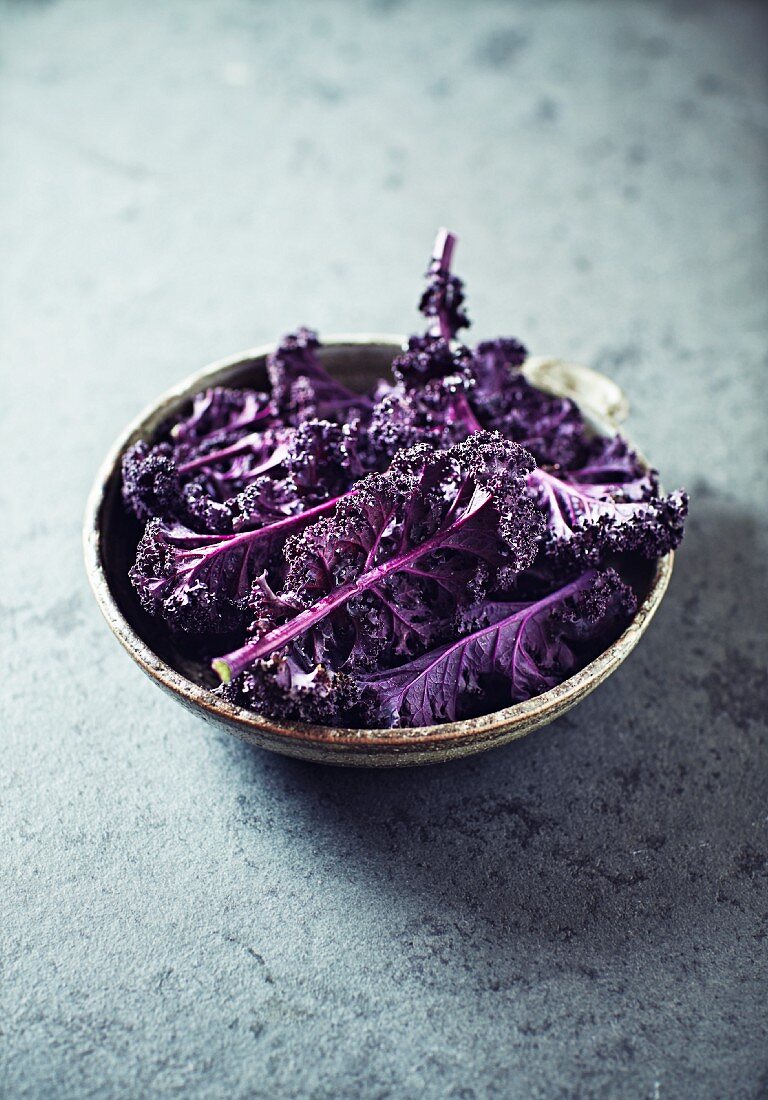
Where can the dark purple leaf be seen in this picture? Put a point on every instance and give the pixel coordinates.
(514, 652)
(285, 687)
(301, 387)
(220, 415)
(587, 521)
(372, 579)
(150, 481)
(551, 428)
(199, 583)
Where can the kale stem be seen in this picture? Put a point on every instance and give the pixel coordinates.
(241, 447)
(466, 410)
(442, 254)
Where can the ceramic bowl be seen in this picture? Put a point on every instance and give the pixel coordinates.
(110, 539)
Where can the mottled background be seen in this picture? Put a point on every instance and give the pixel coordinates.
(583, 914)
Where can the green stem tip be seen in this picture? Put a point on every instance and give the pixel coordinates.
(222, 670)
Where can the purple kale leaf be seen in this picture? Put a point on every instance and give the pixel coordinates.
(321, 463)
(551, 428)
(265, 501)
(428, 403)
(220, 415)
(495, 362)
(426, 358)
(322, 459)
(438, 414)
(260, 478)
(384, 576)
(514, 651)
(150, 482)
(287, 687)
(288, 472)
(164, 482)
(301, 387)
(397, 423)
(443, 298)
(201, 583)
(225, 471)
(610, 461)
(451, 392)
(588, 520)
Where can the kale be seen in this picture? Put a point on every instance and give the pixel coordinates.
(385, 575)
(551, 428)
(265, 501)
(226, 471)
(588, 520)
(301, 387)
(609, 460)
(426, 358)
(289, 687)
(443, 297)
(185, 481)
(440, 547)
(200, 583)
(150, 481)
(322, 459)
(512, 652)
(321, 463)
(398, 423)
(437, 413)
(449, 387)
(220, 415)
(258, 479)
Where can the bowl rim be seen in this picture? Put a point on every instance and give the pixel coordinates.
(523, 716)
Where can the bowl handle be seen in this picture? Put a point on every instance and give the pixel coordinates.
(588, 388)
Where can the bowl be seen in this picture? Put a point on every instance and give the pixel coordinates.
(111, 536)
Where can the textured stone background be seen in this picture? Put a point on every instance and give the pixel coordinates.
(582, 914)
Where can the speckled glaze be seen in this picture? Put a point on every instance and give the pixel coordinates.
(110, 540)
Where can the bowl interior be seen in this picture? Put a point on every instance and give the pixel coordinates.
(185, 670)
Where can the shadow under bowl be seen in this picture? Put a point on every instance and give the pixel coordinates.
(111, 537)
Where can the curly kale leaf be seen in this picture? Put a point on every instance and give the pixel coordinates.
(514, 651)
(220, 415)
(186, 483)
(587, 521)
(438, 414)
(201, 583)
(611, 462)
(448, 390)
(551, 428)
(428, 403)
(262, 477)
(150, 481)
(427, 358)
(386, 574)
(225, 471)
(321, 462)
(285, 686)
(323, 459)
(301, 387)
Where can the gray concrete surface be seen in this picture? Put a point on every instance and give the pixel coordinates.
(580, 915)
